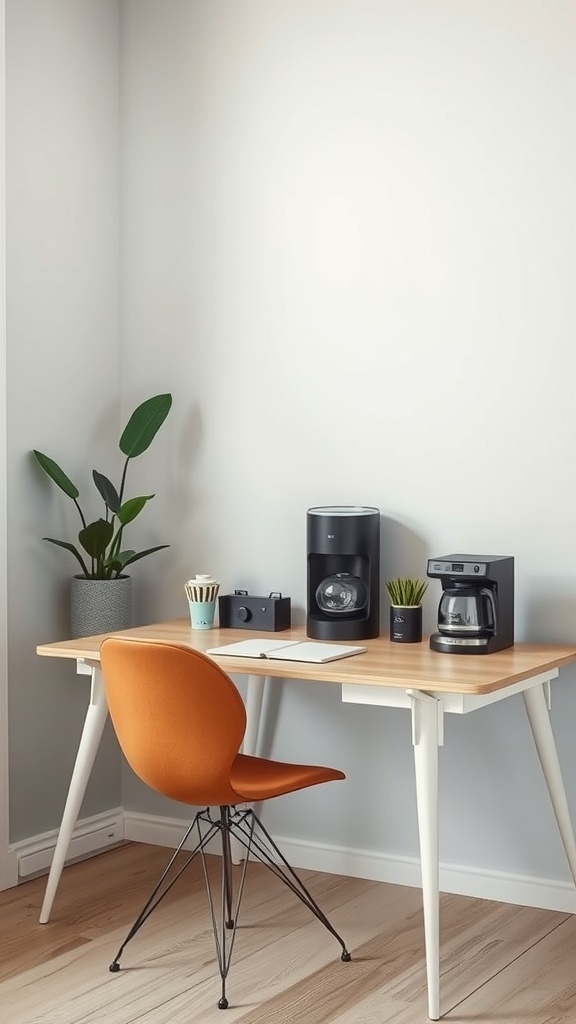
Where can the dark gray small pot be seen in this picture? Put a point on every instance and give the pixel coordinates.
(100, 606)
(406, 624)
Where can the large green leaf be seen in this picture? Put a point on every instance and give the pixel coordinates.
(132, 508)
(119, 561)
(142, 554)
(106, 490)
(57, 475)
(72, 549)
(96, 537)
(144, 424)
(111, 568)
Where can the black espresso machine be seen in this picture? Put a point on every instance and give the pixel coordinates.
(343, 572)
(476, 610)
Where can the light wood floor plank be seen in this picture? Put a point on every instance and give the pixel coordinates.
(538, 986)
(507, 964)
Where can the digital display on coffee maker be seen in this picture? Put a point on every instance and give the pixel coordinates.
(448, 568)
(469, 568)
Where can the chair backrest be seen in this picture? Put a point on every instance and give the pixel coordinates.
(178, 717)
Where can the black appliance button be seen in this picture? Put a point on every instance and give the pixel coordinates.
(244, 614)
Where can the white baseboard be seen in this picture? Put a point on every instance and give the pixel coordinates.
(101, 831)
(524, 890)
(159, 831)
(503, 887)
(8, 869)
(91, 835)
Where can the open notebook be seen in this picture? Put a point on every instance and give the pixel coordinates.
(287, 650)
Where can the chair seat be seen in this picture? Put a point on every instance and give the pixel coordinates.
(255, 778)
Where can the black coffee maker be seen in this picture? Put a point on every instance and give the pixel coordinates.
(343, 572)
(476, 610)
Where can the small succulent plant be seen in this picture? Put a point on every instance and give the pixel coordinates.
(406, 592)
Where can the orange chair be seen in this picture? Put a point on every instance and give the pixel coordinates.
(180, 722)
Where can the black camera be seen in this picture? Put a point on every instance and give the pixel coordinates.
(270, 613)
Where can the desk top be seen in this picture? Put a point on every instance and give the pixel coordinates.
(407, 666)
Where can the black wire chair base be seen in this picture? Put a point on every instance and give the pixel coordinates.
(246, 828)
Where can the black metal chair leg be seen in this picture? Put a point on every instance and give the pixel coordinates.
(223, 1003)
(158, 893)
(247, 828)
(227, 892)
(225, 920)
(279, 866)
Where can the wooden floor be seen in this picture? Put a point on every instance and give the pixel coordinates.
(510, 965)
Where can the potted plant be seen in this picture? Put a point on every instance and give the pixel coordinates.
(406, 594)
(100, 549)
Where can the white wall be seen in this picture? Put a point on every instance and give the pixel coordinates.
(63, 367)
(347, 248)
(7, 863)
(349, 242)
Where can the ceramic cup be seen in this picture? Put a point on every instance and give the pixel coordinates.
(202, 592)
(202, 614)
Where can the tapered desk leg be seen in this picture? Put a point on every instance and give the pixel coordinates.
(254, 701)
(426, 738)
(91, 734)
(535, 701)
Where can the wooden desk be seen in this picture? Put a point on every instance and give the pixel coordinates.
(387, 675)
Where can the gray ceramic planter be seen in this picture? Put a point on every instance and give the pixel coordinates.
(100, 606)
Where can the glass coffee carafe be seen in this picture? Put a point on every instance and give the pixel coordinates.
(467, 611)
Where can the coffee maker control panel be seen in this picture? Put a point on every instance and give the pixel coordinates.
(458, 567)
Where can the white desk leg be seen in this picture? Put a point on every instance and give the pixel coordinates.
(426, 738)
(254, 701)
(535, 701)
(91, 734)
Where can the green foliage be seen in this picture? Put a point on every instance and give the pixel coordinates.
(99, 552)
(406, 592)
